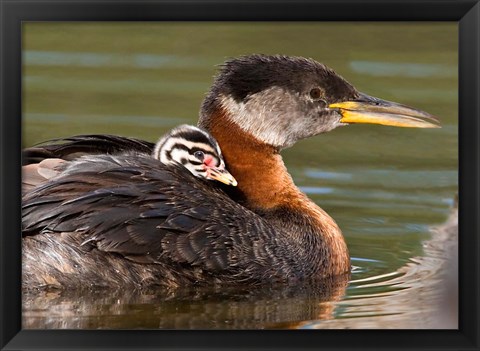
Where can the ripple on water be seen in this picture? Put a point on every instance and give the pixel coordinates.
(98, 59)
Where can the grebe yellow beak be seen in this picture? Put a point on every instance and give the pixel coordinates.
(368, 109)
(221, 175)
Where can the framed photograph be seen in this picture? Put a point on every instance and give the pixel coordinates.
(398, 206)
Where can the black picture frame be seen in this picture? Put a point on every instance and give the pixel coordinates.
(14, 12)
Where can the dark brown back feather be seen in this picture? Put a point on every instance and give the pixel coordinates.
(73, 147)
(134, 206)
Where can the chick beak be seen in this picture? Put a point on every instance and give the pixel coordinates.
(368, 109)
(221, 175)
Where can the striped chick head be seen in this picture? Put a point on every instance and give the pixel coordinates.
(196, 150)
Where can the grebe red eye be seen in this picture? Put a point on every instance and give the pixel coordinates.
(199, 154)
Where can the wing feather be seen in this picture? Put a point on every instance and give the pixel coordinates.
(73, 147)
(151, 213)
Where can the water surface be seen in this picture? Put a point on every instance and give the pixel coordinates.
(386, 187)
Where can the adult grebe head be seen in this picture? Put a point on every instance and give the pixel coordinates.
(280, 100)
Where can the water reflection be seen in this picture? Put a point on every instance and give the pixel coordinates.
(423, 294)
(404, 69)
(95, 59)
(198, 308)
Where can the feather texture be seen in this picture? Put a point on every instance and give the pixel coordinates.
(177, 221)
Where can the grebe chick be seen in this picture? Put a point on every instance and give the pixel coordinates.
(196, 150)
(186, 146)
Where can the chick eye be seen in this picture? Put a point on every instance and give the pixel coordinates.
(199, 154)
(315, 93)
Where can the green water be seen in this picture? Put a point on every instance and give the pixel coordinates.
(384, 186)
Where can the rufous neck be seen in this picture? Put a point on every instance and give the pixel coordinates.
(262, 177)
(267, 188)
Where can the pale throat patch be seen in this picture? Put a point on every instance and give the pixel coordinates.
(259, 119)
